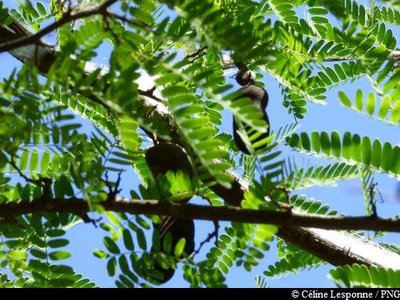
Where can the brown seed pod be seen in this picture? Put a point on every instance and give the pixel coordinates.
(164, 157)
(244, 77)
(161, 158)
(259, 98)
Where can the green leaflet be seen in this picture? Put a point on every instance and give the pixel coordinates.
(351, 149)
(362, 276)
(387, 109)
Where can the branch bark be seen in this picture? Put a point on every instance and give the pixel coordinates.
(321, 243)
(66, 18)
(201, 212)
(341, 247)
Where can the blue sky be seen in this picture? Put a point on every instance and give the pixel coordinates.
(332, 116)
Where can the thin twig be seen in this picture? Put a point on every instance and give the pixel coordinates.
(113, 188)
(66, 18)
(150, 93)
(130, 21)
(208, 239)
(26, 178)
(197, 54)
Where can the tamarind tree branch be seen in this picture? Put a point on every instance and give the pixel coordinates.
(66, 18)
(201, 212)
(335, 247)
(342, 248)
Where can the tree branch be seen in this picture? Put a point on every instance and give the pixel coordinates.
(66, 18)
(342, 248)
(200, 212)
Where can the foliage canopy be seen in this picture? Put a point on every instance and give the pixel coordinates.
(54, 170)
